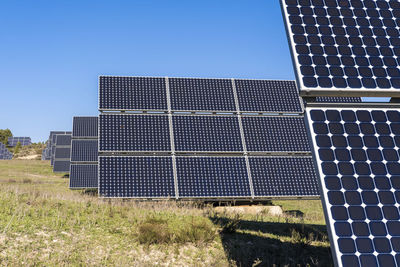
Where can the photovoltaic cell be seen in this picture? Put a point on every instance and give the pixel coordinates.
(63, 140)
(84, 151)
(283, 176)
(357, 151)
(85, 127)
(342, 44)
(132, 93)
(207, 133)
(267, 96)
(83, 176)
(201, 94)
(136, 177)
(13, 141)
(212, 177)
(134, 133)
(275, 134)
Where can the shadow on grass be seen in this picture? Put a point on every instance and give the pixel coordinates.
(246, 248)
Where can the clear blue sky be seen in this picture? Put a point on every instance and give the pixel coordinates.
(52, 52)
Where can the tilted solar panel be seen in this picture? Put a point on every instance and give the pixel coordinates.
(212, 177)
(62, 153)
(201, 94)
(344, 47)
(83, 176)
(24, 141)
(84, 151)
(207, 133)
(61, 166)
(85, 127)
(357, 155)
(132, 93)
(63, 140)
(136, 177)
(134, 133)
(283, 176)
(268, 96)
(275, 134)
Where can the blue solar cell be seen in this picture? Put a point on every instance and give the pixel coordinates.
(201, 94)
(132, 93)
(206, 133)
(84, 151)
(212, 177)
(343, 44)
(84, 127)
(339, 99)
(134, 133)
(267, 96)
(83, 176)
(275, 134)
(283, 176)
(360, 181)
(136, 177)
(63, 140)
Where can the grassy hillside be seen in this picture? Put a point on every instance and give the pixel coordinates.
(43, 223)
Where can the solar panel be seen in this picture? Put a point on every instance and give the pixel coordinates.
(283, 176)
(345, 47)
(207, 133)
(84, 151)
(62, 153)
(201, 94)
(5, 154)
(357, 154)
(132, 93)
(212, 177)
(134, 133)
(83, 176)
(85, 127)
(63, 140)
(268, 96)
(61, 165)
(275, 134)
(136, 177)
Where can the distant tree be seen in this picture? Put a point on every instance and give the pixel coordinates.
(17, 148)
(4, 134)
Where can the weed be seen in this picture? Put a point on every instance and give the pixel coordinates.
(27, 181)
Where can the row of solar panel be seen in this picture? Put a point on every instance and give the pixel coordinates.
(193, 94)
(62, 153)
(24, 141)
(206, 177)
(202, 133)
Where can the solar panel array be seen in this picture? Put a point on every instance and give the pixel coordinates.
(49, 152)
(4, 152)
(84, 153)
(196, 94)
(211, 139)
(351, 48)
(343, 47)
(62, 153)
(13, 141)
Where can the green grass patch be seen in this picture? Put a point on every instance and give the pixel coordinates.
(43, 223)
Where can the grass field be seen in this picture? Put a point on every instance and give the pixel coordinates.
(43, 223)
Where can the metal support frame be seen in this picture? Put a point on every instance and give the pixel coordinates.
(171, 136)
(246, 158)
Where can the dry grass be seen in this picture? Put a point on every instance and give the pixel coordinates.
(42, 222)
